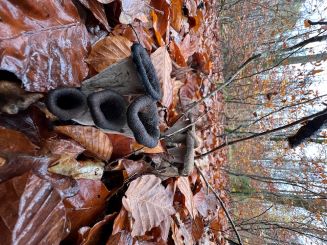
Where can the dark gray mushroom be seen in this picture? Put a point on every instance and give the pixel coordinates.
(143, 120)
(66, 103)
(146, 71)
(108, 109)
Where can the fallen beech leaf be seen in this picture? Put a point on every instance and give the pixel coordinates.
(121, 222)
(183, 185)
(163, 65)
(98, 232)
(31, 123)
(64, 147)
(197, 228)
(121, 145)
(12, 141)
(109, 51)
(144, 36)
(93, 139)
(134, 167)
(191, 6)
(159, 38)
(188, 46)
(180, 234)
(177, 54)
(121, 238)
(205, 203)
(148, 203)
(14, 98)
(196, 21)
(31, 212)
(98, 11)
(78, 169)
(43, 65)
(134, 9)
(142, 149)
(176, 14)
(162, 16)
(84, 208)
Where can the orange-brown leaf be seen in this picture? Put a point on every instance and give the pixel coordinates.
(93, 139)
(12, 141)
(159, 38)
(163, 65)
(109, 51)
(176, 54)
(176, 14)
(183, 185)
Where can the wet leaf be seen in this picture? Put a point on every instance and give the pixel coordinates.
(134, 167)
(14, 98)
(78, 169)
(109, 51)
(93, 139)
(143, 149)
(98, 11)
(148, 203)
(43, 65)
(64, 147)
(31, 212)
(183, 185)
(176, 14)
(163, 65)
(84, 208)
(12, 141)
(134, 9)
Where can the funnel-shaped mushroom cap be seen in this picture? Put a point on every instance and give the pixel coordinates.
(146, 71)
(108, 109)
(66, 103)
(143, 120)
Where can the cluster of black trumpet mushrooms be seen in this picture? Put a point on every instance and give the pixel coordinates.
(109, 109)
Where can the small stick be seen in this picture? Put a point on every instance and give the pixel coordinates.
(221, 203)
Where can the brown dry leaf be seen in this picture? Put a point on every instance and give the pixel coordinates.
(134, 167)
(180, 233)
(43, 65)
(98, 11)
(307, 24)
(14, 98)
(162, 13)
(96, 234)
(144, 36)
(159, 38)
(134, 9)
(84, 208)
(63, 147)
(176, 54)
(205, 202)
(121, 238)
(176, 14)
(121, 222)
(143, 149)
(78, 169)
(12, 141)
(196, 21)
(148, 203)
(93, 139)
(189, 46)
(122, 145)
(163, 65)
(183, 185)
(109, 51)
(31, 212)
(191, 5)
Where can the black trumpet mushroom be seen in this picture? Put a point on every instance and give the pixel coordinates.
(108, 109)
(146, 71)
(143, 120)
(66, 103)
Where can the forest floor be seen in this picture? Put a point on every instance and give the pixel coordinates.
(59, 181)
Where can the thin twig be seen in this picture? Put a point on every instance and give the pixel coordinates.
(221, 203)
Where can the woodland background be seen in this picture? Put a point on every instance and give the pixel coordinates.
(247, 70)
